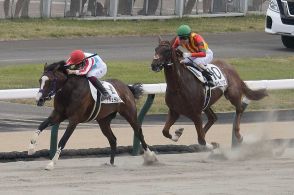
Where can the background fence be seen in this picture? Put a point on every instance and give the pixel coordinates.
(128, 9)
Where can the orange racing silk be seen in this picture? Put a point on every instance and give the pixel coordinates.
(196, 45)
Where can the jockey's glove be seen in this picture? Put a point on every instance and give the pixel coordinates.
(71, 71)
(186, 55)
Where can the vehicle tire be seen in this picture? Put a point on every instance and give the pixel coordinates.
(288, 41)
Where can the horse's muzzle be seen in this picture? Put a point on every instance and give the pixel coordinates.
(156, 67)
(40, 102)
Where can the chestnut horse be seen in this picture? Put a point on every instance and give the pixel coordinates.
(73, 101)
(185, 93)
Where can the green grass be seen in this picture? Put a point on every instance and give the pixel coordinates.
(27, 76)
(17, 29)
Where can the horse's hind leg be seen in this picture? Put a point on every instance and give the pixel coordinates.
(211, 117)
(130, 115)
(200, 132)
(68, 132)
(54, 118)
(106, 130)
(234, 96)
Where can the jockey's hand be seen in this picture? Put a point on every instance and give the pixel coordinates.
(71, 71)
(186, 55)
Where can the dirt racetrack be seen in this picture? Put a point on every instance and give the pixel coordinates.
(256, 168)
(93, 138)
(188, 173)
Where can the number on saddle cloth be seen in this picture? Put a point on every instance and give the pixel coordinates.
(217, 76)
(110, 89)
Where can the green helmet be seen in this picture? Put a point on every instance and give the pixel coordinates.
(184, 31)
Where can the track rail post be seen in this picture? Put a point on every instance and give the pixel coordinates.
(144, 110)
(53, 140)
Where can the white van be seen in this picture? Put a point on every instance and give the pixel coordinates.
(280, 20)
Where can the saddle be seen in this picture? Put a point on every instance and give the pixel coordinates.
(217, 76)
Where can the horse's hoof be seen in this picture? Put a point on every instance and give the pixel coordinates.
(241, 139)
(177, 134)
(209, 146)
(109, 165)
(149, 157)
(215, 145)
(31, 150)
(50, 166)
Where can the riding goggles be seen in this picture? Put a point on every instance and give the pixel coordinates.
(183, 37)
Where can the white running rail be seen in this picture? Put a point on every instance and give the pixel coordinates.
(156, 88)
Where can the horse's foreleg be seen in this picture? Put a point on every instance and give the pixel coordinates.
(68, 132)
(211, 117)
(171, 119)
(106, 130)
(33, 141)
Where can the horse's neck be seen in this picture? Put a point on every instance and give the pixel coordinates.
(75, 81)
(174, 73)
(72, 84)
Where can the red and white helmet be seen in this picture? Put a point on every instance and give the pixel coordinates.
(76, 57)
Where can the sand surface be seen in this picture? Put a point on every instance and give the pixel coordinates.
(255, 168)
(188, 173)
(93, 138)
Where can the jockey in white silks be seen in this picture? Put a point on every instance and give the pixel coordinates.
(90, 65)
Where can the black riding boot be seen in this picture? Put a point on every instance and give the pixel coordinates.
(207, 75)
(98, 85)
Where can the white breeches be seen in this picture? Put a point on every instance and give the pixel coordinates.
(202, 61)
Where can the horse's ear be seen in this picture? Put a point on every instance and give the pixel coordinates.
(45, 66)
(159, 39)
(62, 63)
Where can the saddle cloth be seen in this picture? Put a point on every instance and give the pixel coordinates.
(217, 76)
(110, 89)
(113, 100)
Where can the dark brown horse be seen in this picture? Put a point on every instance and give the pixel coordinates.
(185, 93)
(73, 101)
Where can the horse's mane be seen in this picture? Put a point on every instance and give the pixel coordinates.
(165, 43)
(179, 53)
(55, 66)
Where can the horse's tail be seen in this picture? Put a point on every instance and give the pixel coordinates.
(136, 89)
(253, 94)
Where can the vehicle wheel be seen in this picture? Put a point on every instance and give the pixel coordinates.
(288, 41)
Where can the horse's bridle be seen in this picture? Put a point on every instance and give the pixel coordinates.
(165, 62)
(52, 88)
